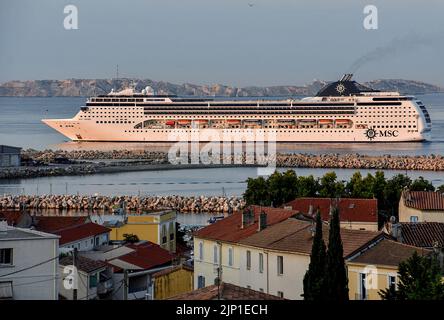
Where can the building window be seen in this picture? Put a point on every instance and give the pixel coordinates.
(248, 259)
(261, 262)
(93, 280)
(200, 282)
(230, 257)
(362, 287)
(280, 265)
(6, 256)
(215, 253)
(413, 218)
(280, 294)
(201, 251)
(392, 281)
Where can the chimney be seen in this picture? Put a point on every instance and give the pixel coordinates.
(3, 226)
(247, 217)
(310, 210)
(395, 229)
(262, 221)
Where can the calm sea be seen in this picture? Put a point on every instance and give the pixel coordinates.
(20, 125)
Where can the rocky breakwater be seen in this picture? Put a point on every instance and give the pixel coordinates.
(357, 161)
(51, 156)
(47, 171)
(130, 203)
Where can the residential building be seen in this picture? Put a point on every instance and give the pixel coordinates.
(358, 214)
(421, 206)
(216, 250)
(376, 268)
(92, 280)
(75, 232)
(133, 266)
(28, 264)
(83, 237)
(158, 227)
(172, 281)
(9, 156)
(276, 259)
(225, 291)
(429, 235)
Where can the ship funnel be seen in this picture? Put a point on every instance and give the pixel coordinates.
(346, 77)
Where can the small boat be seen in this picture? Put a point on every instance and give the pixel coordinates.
(215, 219)
(201, 121)
(325, 121)
(232, 121)
(170, 123)
(286, 121)
(184, 122)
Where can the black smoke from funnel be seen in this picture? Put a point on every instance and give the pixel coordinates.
(396, 47)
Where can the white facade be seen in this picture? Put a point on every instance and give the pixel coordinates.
(259, 276)
(34, 252)
(86, 244)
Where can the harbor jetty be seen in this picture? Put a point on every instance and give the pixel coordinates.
(134, 204)
(82, 162)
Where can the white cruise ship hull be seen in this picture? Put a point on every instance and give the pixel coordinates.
(84, 131)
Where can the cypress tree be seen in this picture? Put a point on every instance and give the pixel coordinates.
(314, 282)
(336, 277)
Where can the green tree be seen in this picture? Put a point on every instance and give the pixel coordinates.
(314, 279)
(180, 234)
(336, 276)
(440, 188)
(330, 187)
(131, 238)
(307, 186)
(392, 192)
(378, 188)
(420, 278)
(257, 192)
(421, 184)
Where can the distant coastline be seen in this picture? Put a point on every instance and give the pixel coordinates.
(91, 87)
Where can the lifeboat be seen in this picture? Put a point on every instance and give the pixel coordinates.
(201, 121)
(343, 121)
(286, 121)
(233, 121)
(184, 122)
(307, 121)
(252, 120)
(325, 121)
(170, 123)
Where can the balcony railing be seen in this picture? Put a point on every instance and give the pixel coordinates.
(360, 296)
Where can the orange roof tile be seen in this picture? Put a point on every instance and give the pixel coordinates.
(227, 291)
(230, 228)
(423, 200)
(293, 235)
(350, 209)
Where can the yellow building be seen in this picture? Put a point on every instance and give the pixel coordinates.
(421, 206)
(376, 268)
(173, 281)
(158, 227)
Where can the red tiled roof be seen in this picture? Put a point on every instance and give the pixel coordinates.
(55, 223)
(388, 253)
(228, 291)
(12, 217)
(293, 235)
(171, 270)
(423, 200)
(230, 228)
(423, 234)
(147, 255)
(80, 232)
(83, 263)
(354, 210)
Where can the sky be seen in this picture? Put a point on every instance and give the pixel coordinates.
(231, 42)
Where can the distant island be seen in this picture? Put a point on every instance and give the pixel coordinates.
(91, 87)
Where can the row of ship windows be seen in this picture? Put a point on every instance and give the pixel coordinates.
(386, 122)
(240, 131)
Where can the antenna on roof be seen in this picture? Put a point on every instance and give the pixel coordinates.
(117, 72)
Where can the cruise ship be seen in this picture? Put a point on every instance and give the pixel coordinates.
(342, 111)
